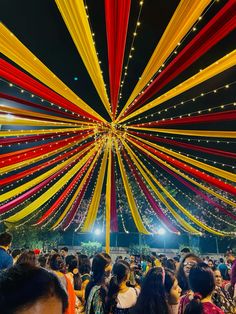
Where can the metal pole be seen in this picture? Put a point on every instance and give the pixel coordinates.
(217, 245)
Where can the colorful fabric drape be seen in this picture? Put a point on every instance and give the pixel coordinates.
(217, 67)
(11, 47)
(66, 98)
(196, 173)
(225, 116)
(184, 17)
(117, 18)
(75, 18)
(217, 28)
(46, 195)
(199, 148)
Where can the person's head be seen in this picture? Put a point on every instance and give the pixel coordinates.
(64, 251)
(202, 283)
(221, 260)
(211, 263)
(5, 240)
(120, 275)
(184, 269)
(16, 254)
(84, 264)
(230, 257)
(26, 290)
(56, 263)
(184, 251)
(159, 289)
(100, 265)
(42, 260)
(27, 257)
(72, 264)
(218, 278)
(54, 251)
(169, 263)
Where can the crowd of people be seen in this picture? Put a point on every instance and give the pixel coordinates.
(59, 281)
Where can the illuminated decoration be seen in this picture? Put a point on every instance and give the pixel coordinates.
(62, 163)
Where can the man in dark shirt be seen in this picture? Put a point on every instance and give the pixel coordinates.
(6, 259)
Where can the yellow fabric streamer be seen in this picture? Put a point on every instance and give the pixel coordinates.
(18, 111)
(43, 198)
(184, 17)
(93, 208)
(138, 164)
(219, 172)
(108, 196)
(179, 206)
(11, 47)
(187, 177)
(24, 187)
(76, 20)
(24, 163)
(205, 133)
(36, 132)
(132, 205)
(217, 67)
(78, 190)
(15, 120)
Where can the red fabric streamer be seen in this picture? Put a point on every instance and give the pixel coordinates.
(216, 29)
(75, 207)
(61, 198)
(150, 198)
(205, 118)
(114, 219)
(35, 138)
(33, 170)
(34, 190)
(36, 151)
(117, 19)
(207, 150)
(12, 74)
(194, 172)
(33, 105)
(205, 197)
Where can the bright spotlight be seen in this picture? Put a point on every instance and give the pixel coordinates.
(97, 231)
(161, 231)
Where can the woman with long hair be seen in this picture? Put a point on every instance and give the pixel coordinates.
(120, 298)
(95, 292)
(58, 267)
(202, 284)
(185, 266)
(84, 270)
(27, 257)
(159, 294)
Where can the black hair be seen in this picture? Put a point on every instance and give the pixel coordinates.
(15, 253)
(65, 248)
(42, 261)
(5, 239)
(221, 260)
(23, 285)
(27, 257)
(185, 250)
(56, 262)
(169, 263)
(120, 273)
(84, 264)
(100, 262)
(202, 283)
(154, 290)
(72, 267)
(182, 279)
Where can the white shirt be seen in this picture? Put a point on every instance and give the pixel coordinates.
(127, 299)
